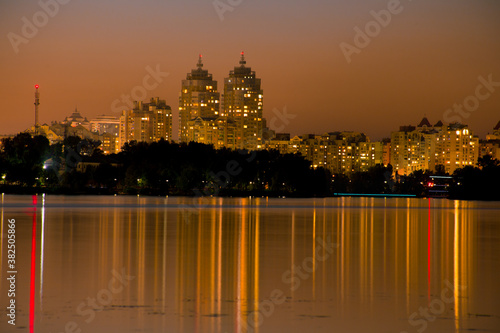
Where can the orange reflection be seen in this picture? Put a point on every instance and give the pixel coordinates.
(213, 270)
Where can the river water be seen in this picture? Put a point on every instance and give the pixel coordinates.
(169, 264)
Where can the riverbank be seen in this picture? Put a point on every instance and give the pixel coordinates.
(23, 190)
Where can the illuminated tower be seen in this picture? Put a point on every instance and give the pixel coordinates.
(37, 103)
(243, 98)
(198, 98)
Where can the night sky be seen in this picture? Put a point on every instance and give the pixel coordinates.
(427, 58)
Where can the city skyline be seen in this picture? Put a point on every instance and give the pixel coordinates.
(423, 146)
(421, 60)
(218, 99)
(263, 166)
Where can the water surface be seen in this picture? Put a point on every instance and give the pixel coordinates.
(151, 264)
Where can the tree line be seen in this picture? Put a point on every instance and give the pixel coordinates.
(75, 166)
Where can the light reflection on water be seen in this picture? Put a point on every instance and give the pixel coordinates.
(255, 264)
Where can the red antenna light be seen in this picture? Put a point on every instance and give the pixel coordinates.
(36, 86)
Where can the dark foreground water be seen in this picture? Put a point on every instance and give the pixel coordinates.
(143, 264)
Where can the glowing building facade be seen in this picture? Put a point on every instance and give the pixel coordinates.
(339, 152)
(199, 98)
(425, 147)
(219, 132)
(243, 102)
(456, 147)
(146, 122)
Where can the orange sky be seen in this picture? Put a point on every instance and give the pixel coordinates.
(426, 59)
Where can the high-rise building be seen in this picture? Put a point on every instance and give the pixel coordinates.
(370, 154)
(413, 149)
(496, 133)
(219, 132)
(280, 142)
(198, 98)
(146, 122)
(243, 102)
(386, 151)
(456, 147)
(352, 152)
(110, 143)
(491, 146)
(108, 129)
(425, 147)
(339, 152)
(105, 124)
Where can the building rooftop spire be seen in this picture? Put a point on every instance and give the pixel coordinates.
(424, 122)
(200, 62)
(242, 61)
